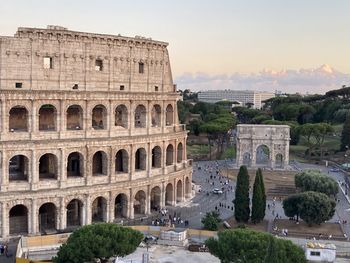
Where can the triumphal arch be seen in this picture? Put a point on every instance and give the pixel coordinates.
(263, 145)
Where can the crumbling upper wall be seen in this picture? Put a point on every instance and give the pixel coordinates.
(59, 59)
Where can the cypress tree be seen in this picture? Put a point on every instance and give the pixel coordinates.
(345, 135)
(241, 202)
(258, 208)
(262, 185)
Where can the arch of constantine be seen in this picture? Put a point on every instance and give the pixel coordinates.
(89, 130)
(263, 145)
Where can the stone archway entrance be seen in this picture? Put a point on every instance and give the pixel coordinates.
(263, 145)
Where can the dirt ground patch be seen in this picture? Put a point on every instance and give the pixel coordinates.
(278, 184)
(302, 230)
(262, 226)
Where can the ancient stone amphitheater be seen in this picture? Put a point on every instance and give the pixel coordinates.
(88, 130)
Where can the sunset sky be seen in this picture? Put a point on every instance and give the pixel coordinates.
(290, 45)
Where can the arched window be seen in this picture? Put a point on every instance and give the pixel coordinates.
(179, 152)
(156, 116)
(170, 154)
(74, 118)
(122, 161)
(75, 164)
(48, 166)
(18, 217)
(169, 118)
(47, 118)
(140, 159)
(18, 168)
(18, 119)
(99, 117)
(121, 116)
(99, 163)
(140, 116)
(156, 157)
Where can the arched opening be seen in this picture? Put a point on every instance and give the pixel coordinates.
(75, 164)
(169, 117)
(170, 154)
(179, 152)
(99, 163)
(140, 116)
(179, 195)
(169, 193)
(140, 203)
(121, 206)
(156, 116)
(188, 188)
(74, 213)
(48, 166)
(122, 161)
(156, 157)
(140, 159)
(18, 119)
(279, 161)
(99, 210)
(18, 168)
(99, 117)
(121, 116)
(156, 195)
(18, 220)
(74, 118)
(47, 118)
(262, 155)
(47, 218)
(247, 159)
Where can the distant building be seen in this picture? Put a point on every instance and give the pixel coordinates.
(241, 96)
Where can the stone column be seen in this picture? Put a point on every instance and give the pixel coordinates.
(111, 167)
(175, 152)
(88, 166)
(35, 173)
(163, 157)
(4, 172)
(32, 120)
(107, 210)
(286, 154)
(87, 209)
(272, 155)
(253, 160)
(63, 169)
(149, 160)
(173, 203)
(131, 162)
(148, 201)
(63, 214)
(63, 122)
(35, 216)
(131, 122)
(5, 226)
(162, 199)
(131, 205)
(111, 208)
(4, 114)
(148, 117)
(111, 125)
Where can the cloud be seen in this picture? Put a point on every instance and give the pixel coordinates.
(318, 80)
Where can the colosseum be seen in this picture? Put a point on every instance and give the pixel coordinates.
(89, 130)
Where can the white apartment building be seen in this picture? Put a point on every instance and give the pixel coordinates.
(241, 96)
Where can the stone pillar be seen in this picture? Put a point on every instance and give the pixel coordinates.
(148, 201)
(63, 214)
(108, 207)
(131, 205)
(173, 203)
(111, 167)
(111, 117)
(32, 119)
(162, 199)
(35, 172)
(87, 209)
(149, 160)
(253, 160)
(175, 152)
(131, 162)
(131, 112)
(272, 155)
(163, 157)
(286, 154)
(63, 115)
(5, 226)
(63, 168)
(148, 117)
(3, 115)
(4, 171)
(35, 218)
(111, 208)
(88, 166)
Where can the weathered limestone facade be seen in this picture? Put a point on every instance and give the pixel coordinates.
(88, 129)
(271, 141)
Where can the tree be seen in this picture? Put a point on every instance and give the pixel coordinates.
(258, 205)
(314, 180)
(100, 241)
(249, 246)
(241, 202)
(211, 221)
(345, 135)
(312, 207)
(262, 185)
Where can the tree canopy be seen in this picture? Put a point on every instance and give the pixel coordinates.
(312, 207)
(314, 180)
(98, 241)
(211, 221)
(259, 198)
(245, 245)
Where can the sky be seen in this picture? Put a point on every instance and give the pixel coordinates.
(289, 45)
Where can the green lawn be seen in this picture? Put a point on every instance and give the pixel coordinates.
(230, 152)
(198, 149)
